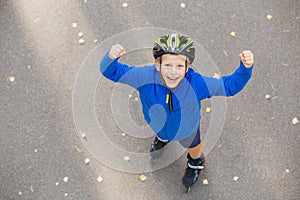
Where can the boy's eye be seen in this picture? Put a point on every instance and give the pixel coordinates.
(180, 66)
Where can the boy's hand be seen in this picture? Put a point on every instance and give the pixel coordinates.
(247, 58)
(116, 51)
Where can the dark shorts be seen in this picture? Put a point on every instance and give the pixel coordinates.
(192, 141)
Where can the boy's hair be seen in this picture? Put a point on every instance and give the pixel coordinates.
(174, 44)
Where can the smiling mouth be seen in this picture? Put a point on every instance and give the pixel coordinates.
(172, 79)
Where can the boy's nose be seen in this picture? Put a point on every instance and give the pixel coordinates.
(173, 70)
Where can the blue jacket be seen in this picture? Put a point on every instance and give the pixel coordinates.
(185, 117)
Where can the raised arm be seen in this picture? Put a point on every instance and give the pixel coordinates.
(112, 69)
(234, 83)
(109, 65)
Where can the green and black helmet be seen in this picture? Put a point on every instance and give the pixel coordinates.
(174, 44)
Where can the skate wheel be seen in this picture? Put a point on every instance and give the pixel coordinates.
(187, 189)
(153, 160)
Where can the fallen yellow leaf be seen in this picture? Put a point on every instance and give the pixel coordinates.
(125, 5)
(99, 179)
(267, 96)
(81, 41)
(182, 5)
(295, 121)
(83, 135)
(236, 178)
(66, 179)
(208, 110)
(217, 76)
(205, 182)
(269, 17)
(87, 161)
(232, 33)
(143, 177)
(11, 78)
(126, 158)
(74, 25)
(80, 34)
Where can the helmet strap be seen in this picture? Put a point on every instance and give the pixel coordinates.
(161, 77)
(186, 64)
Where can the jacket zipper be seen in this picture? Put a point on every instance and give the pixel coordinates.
(169, 101)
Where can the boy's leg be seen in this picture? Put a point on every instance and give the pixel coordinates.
(195, 162)
(196, 152)
(156, 147)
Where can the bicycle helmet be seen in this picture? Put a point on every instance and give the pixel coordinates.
(174, 44)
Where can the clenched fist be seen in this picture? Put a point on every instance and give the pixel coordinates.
(116, 51)
(247, 58)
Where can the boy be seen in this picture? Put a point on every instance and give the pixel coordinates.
(171, 93)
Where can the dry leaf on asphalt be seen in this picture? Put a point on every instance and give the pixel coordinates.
(295, 121)
(80, 34)
(81, 41)
(126, 158)
(11, 78)
(269, 17)
(208, 110)
(236, 178)
(87, 161)
(66, 179)
(74, 25)
(232, 33)
(143, 177)
(205, 182)
(182, 5)
(267, 96)
(125, 5)
(217, 76)
(83, 135)
(99, 179)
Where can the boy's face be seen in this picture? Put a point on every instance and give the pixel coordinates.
(172, 69)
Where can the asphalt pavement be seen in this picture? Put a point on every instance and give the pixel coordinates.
(44, 152)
